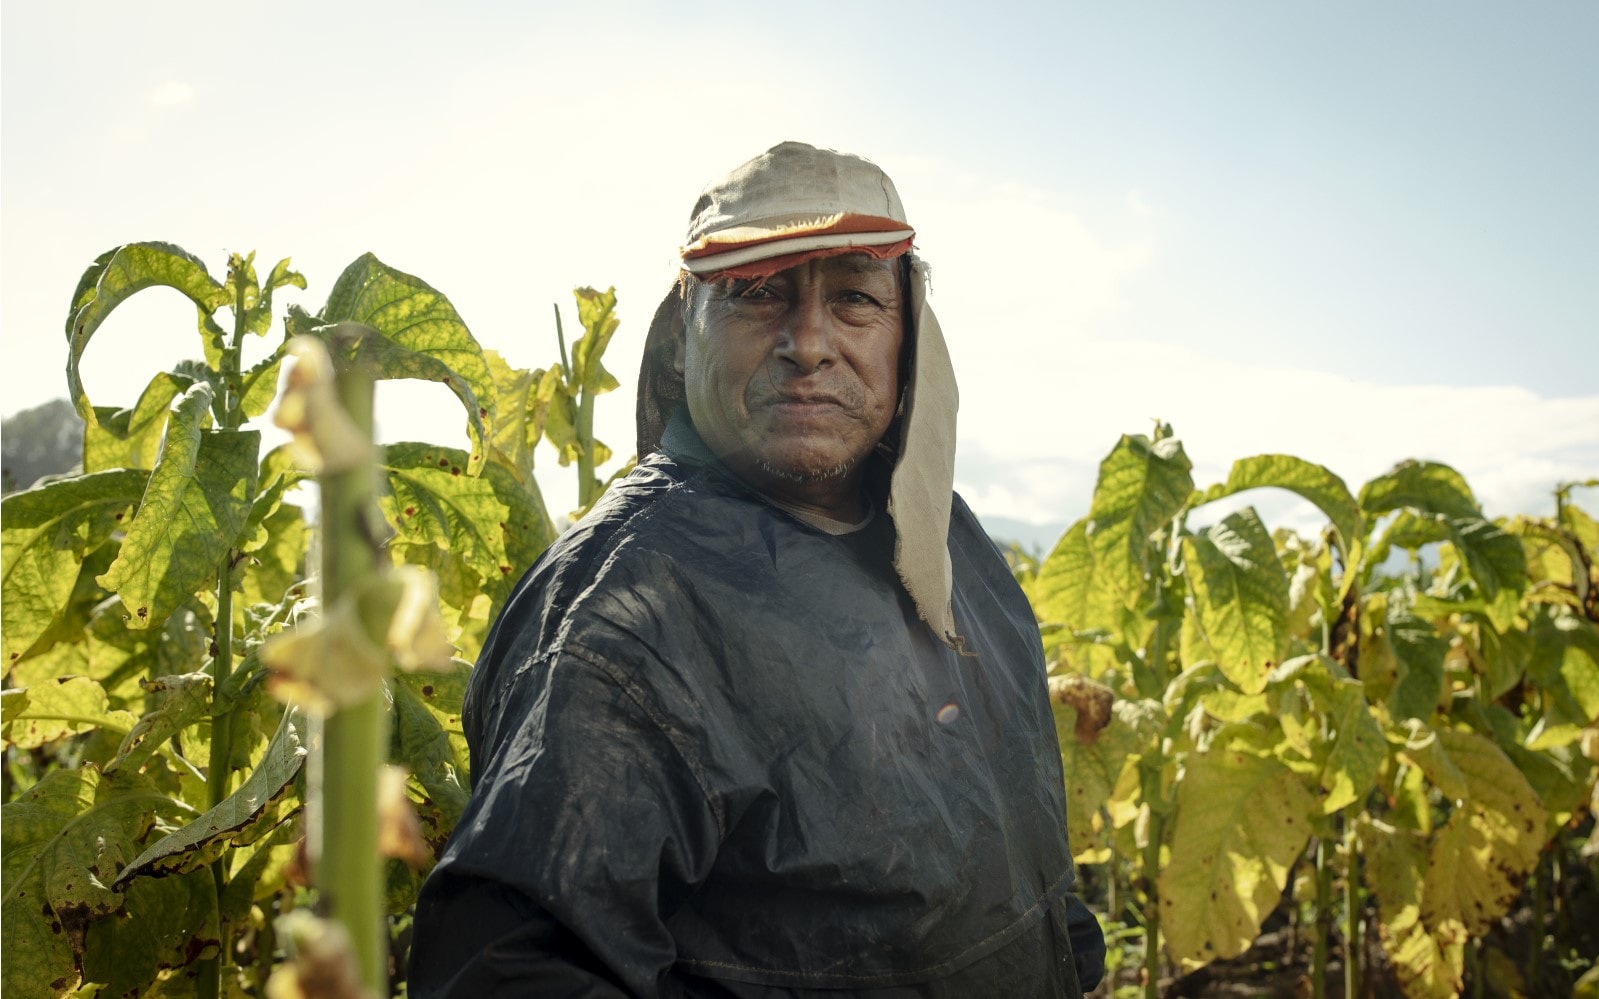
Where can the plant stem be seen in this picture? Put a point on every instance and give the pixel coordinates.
(1352, 940)
(355, 739)
(209, 983)
(1535, 951)
(1150, 781)
(586, 482)
(1324, 921)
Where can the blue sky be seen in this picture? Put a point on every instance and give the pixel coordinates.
(1357, 233)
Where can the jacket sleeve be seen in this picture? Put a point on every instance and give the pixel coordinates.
(1088, 943)
(584, 829)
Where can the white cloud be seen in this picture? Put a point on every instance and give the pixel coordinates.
(172, 93)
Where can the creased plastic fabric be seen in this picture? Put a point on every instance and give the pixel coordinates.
(716, 753)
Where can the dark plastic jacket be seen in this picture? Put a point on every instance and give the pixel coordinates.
(716, 753)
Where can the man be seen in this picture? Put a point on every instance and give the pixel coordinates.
(772, 719)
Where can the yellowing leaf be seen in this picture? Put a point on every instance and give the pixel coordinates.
(1428, 961)
(1358, 749)
(45, 535)
(131, 438)
(1242, 819)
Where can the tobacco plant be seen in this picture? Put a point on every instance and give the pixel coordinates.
(152, 824)
(1409, 699)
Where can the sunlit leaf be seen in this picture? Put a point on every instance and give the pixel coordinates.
(68, 705)
(131, 438)
(1428, 961)
(1141, 486)
(129, 269)
(1565, 664)
(414, 316)
(597, 312)
(1311, 481)
(195, 506)
(1242, 819)
(1423, 485)
(46, 533)
(1240, 597)
(172, 704)
(1357, 752)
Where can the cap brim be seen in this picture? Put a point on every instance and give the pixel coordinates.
(767, 247)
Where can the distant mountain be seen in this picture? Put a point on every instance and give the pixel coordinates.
(44, 440)
(1035, 539)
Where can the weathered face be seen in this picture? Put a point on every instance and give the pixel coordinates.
(792, 382)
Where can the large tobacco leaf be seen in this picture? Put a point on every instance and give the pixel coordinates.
(193, 511)
(1240, 599)
(47, 532)
(1142, 484)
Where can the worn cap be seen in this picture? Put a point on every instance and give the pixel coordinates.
(790, 204)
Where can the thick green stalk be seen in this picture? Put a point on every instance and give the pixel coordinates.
(1352, 939)
(1324, 921)
(209, 983)
(355, 739)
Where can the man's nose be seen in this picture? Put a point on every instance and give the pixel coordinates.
(806, 340)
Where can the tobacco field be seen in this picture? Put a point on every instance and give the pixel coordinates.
(234, 676)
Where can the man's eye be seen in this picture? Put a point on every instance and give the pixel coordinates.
(756, 293)
(857, 298)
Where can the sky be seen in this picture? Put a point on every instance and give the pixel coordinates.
(1356, 233)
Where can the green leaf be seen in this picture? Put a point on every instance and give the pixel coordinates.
(193, 510)
(412, 315)
(260, 386)
(258, 299)
(1142, 485)
(1357, 752)
(1565, 664)
(1069, 592)
(597, 312)
(1418, 652)
(131, 438)
(428, 741)
(68, 705)
(129, 269)
(46, 533)
(1311, 481)
(241, 818)
(65, 838)
(1240, 597)
(431, 500)
(1422, 485)
(1242, 820)
(107, 652)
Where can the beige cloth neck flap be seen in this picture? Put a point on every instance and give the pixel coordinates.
(924, 476)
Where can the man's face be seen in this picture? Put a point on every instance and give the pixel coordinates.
(792, 382)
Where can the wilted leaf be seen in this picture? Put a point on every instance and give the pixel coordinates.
(173, 703)
(237, 819)
(597, 312)
(47, 532)
(65, 839)
(1095, 746)
(164, 927)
